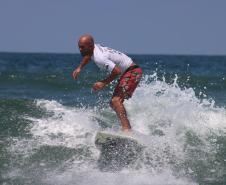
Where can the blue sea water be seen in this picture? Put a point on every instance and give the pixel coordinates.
(48, 121)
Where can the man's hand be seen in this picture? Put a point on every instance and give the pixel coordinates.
(76, 73)
(98, 86)
(85, 61)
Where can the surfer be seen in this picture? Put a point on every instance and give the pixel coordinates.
(117, 64)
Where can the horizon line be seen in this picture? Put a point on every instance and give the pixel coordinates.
(69, 53)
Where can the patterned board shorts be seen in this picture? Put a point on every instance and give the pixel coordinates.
(128, 83)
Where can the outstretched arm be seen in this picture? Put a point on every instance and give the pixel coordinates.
(85, 61)
(101, 84)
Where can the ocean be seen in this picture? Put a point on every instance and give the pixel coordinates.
(48, 121)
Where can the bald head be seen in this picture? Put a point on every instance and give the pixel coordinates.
(86, 39)
(86, 45)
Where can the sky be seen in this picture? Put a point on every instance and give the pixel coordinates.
(131, 26)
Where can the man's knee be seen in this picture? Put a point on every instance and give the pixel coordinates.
(115, 101)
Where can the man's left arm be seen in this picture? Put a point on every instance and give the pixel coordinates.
(101, 84)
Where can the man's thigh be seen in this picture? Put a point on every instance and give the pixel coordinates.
(128, 83)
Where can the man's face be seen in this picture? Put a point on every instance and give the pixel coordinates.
(85, 48)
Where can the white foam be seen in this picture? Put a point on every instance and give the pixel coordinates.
(68, 126)
(166, 108)
(122, 178)
(162, 113)
(167, 115)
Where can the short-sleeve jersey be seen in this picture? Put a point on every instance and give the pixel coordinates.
(107, 58)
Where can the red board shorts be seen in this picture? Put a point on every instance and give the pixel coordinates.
(128, 82)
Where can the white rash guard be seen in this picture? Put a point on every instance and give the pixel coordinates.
(107, 58)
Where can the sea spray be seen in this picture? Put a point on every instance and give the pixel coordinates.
(180, 131)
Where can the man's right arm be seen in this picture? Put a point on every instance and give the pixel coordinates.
(85, 61)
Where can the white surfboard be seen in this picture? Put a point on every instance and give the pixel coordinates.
(117, 150)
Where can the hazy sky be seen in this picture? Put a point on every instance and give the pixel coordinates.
(132, 26)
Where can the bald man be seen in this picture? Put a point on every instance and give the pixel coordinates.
(117, 64)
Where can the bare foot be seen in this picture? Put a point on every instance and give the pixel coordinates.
(127, 131)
